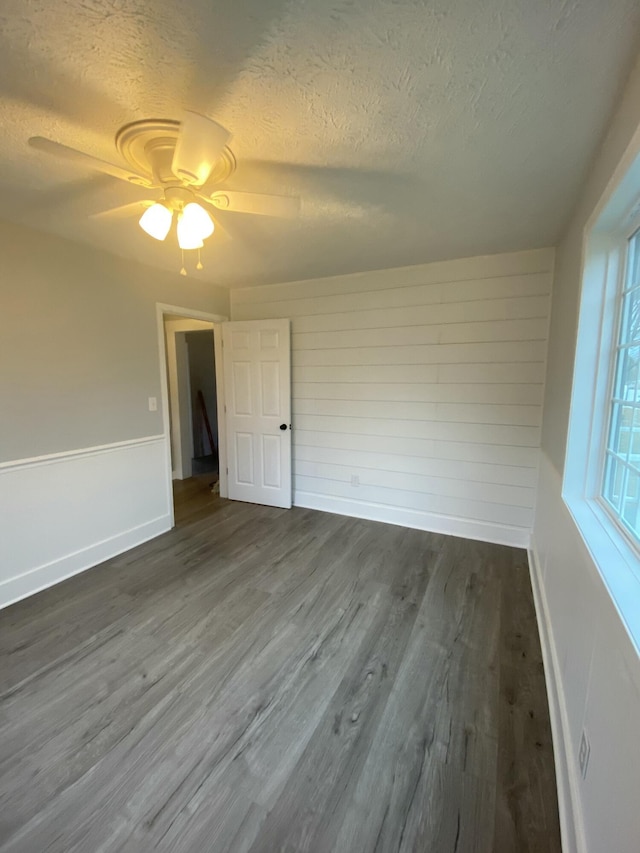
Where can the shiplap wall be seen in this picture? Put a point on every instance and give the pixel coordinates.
(417, 392)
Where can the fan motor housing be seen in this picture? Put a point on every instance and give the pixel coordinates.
(177, 197)
(148, 147)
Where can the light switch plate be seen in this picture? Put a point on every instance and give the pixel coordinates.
(153, 404)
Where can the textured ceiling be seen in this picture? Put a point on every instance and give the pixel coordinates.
(412, 131)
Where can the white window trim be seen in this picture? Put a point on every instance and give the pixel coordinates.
(628, 228)
(604, 247)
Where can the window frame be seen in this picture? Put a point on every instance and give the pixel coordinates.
(624, 237)
(615, 554)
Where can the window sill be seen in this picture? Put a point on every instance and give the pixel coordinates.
(617, 562)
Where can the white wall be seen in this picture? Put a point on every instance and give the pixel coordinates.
(593, 669)
(83, 470)
(425, 383)
(593, 676)
(62, 513)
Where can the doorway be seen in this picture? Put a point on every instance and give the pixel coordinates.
(190, 344)
(202, 433)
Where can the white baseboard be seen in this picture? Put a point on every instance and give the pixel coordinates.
(571, 826)
(65, 512)
(466, 528)
(16, 588)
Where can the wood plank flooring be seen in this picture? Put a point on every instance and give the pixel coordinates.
(268, 680)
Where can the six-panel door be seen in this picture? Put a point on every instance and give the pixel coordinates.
(257, 375)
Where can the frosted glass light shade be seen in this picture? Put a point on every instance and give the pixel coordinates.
(156, 221)
(187, 239)
(197, 220)
(194, 225)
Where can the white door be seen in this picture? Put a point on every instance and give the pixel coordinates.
(257, 379)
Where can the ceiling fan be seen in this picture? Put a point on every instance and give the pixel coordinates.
(187, 162)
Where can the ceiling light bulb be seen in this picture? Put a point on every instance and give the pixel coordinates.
(156, 221)
(187, 238)
(197, 220)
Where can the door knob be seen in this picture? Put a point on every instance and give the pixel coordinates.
(283, 426)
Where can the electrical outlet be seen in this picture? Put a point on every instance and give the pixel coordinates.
(583, 755)
(355, 480)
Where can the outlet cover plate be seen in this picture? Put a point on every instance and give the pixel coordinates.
(583, 755)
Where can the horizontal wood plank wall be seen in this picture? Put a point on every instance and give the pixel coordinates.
(417, 392)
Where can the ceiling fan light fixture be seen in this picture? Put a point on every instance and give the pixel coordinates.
(197, 220)
(194, 226)
(156, 221)
(188, 238)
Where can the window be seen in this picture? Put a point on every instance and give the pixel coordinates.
(601, 483)
(621, 481)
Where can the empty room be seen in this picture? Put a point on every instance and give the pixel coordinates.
(319, 358)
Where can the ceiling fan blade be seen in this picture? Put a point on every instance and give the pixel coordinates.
(40, 143)
(200, 143)
(358, 188)
(224, 225)
(123, 211)
(263, 205)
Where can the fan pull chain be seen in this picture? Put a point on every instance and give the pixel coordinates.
(183, 270)
(199, 264)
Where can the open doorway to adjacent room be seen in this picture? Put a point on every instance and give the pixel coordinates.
(201, 434)
(193, 398)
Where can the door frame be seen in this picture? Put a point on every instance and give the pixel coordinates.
(216, 320)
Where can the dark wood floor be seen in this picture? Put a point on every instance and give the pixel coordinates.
(261, 680)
